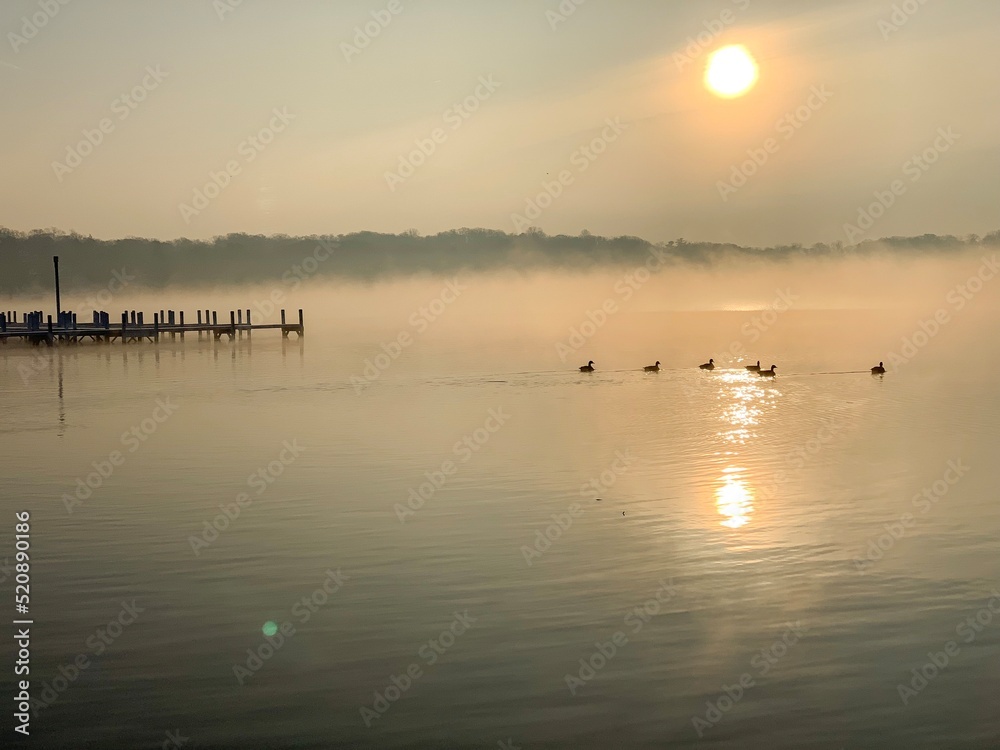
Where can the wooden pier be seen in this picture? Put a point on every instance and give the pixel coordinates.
(134, 327)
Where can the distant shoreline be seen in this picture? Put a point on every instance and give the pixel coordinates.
(25, 257)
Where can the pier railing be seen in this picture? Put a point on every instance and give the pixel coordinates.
(134, 326)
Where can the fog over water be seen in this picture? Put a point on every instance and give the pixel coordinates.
(822, 308)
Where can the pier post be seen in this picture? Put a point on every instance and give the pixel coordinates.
(156, 327)
(199, 325)
(249, 324)
(215, 318)
(182, 325)
(124, 326)
(284, 332)
(55, 262)
(302, 327)
(239, 319)
(232, 325)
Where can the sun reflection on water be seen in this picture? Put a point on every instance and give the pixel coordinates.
(741, 407)
(742, 402)
(734, 500)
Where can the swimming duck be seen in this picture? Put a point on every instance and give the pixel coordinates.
(709, 366)
(769, 373)
(653, 368)
(589, 367)
(754, 368)
(880, 370)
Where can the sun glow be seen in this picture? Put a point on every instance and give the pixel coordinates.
(731, 71)
(734, 501)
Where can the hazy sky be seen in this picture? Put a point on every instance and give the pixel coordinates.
(201, 78)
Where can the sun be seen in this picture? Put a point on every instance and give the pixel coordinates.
(731, 71)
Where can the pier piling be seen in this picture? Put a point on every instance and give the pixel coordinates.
(67, 328)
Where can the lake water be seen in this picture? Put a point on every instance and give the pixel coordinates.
(735, 585)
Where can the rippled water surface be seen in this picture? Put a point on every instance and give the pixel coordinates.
(703, 530)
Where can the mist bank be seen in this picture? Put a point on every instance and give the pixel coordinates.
(235, 259)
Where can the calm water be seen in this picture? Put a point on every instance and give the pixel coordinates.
(733, 513)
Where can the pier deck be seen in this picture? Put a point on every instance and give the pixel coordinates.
(133, 328)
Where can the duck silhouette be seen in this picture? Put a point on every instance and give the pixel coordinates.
(754, 368)
(880, 370)
(769, 373)
(710, 365)
(589, 367)
(653, 368)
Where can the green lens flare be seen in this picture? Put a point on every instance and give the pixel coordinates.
(270, 628)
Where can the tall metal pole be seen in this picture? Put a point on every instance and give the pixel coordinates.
(55, 261)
